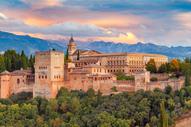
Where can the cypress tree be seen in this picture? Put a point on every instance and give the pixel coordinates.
(24, 60)
(2, 63)
(8, 64)
(66, 56)
(31, 62)
(163, 115)
(187, 79)
(78, 55)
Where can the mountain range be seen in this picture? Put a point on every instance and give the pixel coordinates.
(26, 43)
(31, 44)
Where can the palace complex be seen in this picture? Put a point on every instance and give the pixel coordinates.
(82, 70)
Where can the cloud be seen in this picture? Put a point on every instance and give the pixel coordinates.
(135, 6)
(129, 38)
(129, 21)
(2, 16)
(63, 30)
(35, 21)
(43, 3)
(184, 19)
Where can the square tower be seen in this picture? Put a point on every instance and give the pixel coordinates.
(5, 86)
(49, 73)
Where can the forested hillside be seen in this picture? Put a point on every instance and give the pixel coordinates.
(79, 109)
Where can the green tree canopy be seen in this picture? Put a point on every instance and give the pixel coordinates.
(151, 66)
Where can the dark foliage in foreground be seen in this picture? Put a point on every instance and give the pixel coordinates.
(79, 109)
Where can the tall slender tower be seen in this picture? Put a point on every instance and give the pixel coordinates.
(71, 47)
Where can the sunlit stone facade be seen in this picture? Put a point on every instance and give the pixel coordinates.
(49, 73)
(15, 82)
(128, 63)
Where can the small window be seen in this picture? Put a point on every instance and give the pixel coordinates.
(18, 81)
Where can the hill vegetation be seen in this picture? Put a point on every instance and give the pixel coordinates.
(175, 68)
(90, 109)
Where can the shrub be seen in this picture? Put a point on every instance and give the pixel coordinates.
(154, 79)
(122, 76)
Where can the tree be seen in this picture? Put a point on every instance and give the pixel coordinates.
(56, 122)
(187, 60)
(175, 65)
(151, 66)
(163, 115)
(168, 90)
(31, 62)
(67, 55)
(8, 64)
(21, 97)
(91, 93)
(78, 55)
(185, 67)
(181, 96)
(28, 111)
(24, 60)
(147, 125)
(75, 104)
(163, 68)
(122, 76)
(153, 121)
(114, 89)
(13, 60)
(107, 120)
(187, 79)
(2, 64)
(63, 92)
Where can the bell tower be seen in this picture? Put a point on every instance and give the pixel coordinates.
(71, 46)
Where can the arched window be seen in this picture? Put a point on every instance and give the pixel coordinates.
(18, 81)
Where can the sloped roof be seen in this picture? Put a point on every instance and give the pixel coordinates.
(5, 72)
(85, 60)
(21, 72)
(86, 52)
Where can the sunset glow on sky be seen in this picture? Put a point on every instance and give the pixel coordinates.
(166, 22)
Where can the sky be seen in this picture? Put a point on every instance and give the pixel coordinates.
(164, 22)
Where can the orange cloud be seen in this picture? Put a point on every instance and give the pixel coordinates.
(117, 20)
(129, 38)
(38, 22)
